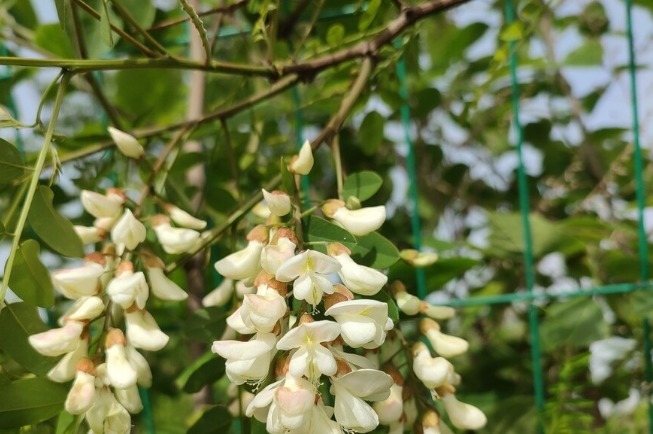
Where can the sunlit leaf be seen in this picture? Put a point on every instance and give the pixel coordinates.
(362, 185)
(317, 230)
(374, 250)
(214, 420)
(371, 132)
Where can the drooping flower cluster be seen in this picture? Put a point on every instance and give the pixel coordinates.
(103, 361)
(306, 319)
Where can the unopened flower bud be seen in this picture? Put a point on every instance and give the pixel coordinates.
(78, 282)
(359, 278)
(432, 371)
(82, 394)
(162, 287)
(85, 309)
(174, 240)
(58, 341)
(129, 398)
(143, 331)
(90, 234)
(182, 218)
(302, 163)
(462, 415)
(407, 303)
(128, 287)
(278, 202)
(445, 345)
(436, 312)
(359, 222)
(101, 205)
(243, 263)
(418, 259)
(390, 409)
(120, 372)
(126, 143)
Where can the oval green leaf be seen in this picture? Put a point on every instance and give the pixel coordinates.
(30, 279)
(362, 185)
(11, 163)
(207, 370)
(17, 322)
(317, 230)
(375, 250)
(25, 402)
(54, 229)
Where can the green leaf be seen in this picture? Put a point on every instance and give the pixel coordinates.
(287, 179)
(143, 12)
(577, 322)
(3, 231)
(369, 14)
(214, 420)
(335, 34)
(11, 163)
(362, 185)
(318, 230)
(54, 229)
(446, 269)
(17, 322)
(25, 402)
(30, 279)
(206, 370)
(588, 54)
(393, 310)
(62, 12)
(205, 324)
(507, 236)
(149, 94)
(52, 38)
(68, 423)
(374, 250)
(371, 132)
(105, 24)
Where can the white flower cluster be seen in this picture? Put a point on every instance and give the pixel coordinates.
(308, 349)
(104, 362)
(334, 333)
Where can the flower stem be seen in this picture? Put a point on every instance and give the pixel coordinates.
(38, 167)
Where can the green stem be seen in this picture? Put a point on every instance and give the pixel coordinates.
(337, 161)
(132, 22)
(22, 219)
(90, 65)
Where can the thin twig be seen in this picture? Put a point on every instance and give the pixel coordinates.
(136, 26)
(228, 9)
(199, 26)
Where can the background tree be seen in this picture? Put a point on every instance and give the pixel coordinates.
(219, 92)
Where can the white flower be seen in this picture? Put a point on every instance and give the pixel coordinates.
(175, 240)
(242, 264)
(302, 163)
(363, 323)
(359, 278)
(247, 361)
(107, 415)
(437, 312)
(311, 358)
(291, 406)
(128, 231)
(66, 368)
(129, 287)
(220, 295)
(143, 331)
(418, 259)
(352, 390)
(129, 398)
(278, 202)
(462, 415)
(444, 345)
(162, 287)
(100, 205)
(263, 310)
(120, 372)
(358, 222)
(260, 405)
(273, 255)
(82, 393)
(85, 309)
(407, 303)
(58, 341)
(432, 371)
(182, 218)
(78, 282)
(308, 270)
(143, 372)
(390, 409)
(126, 143)
(90, 235)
